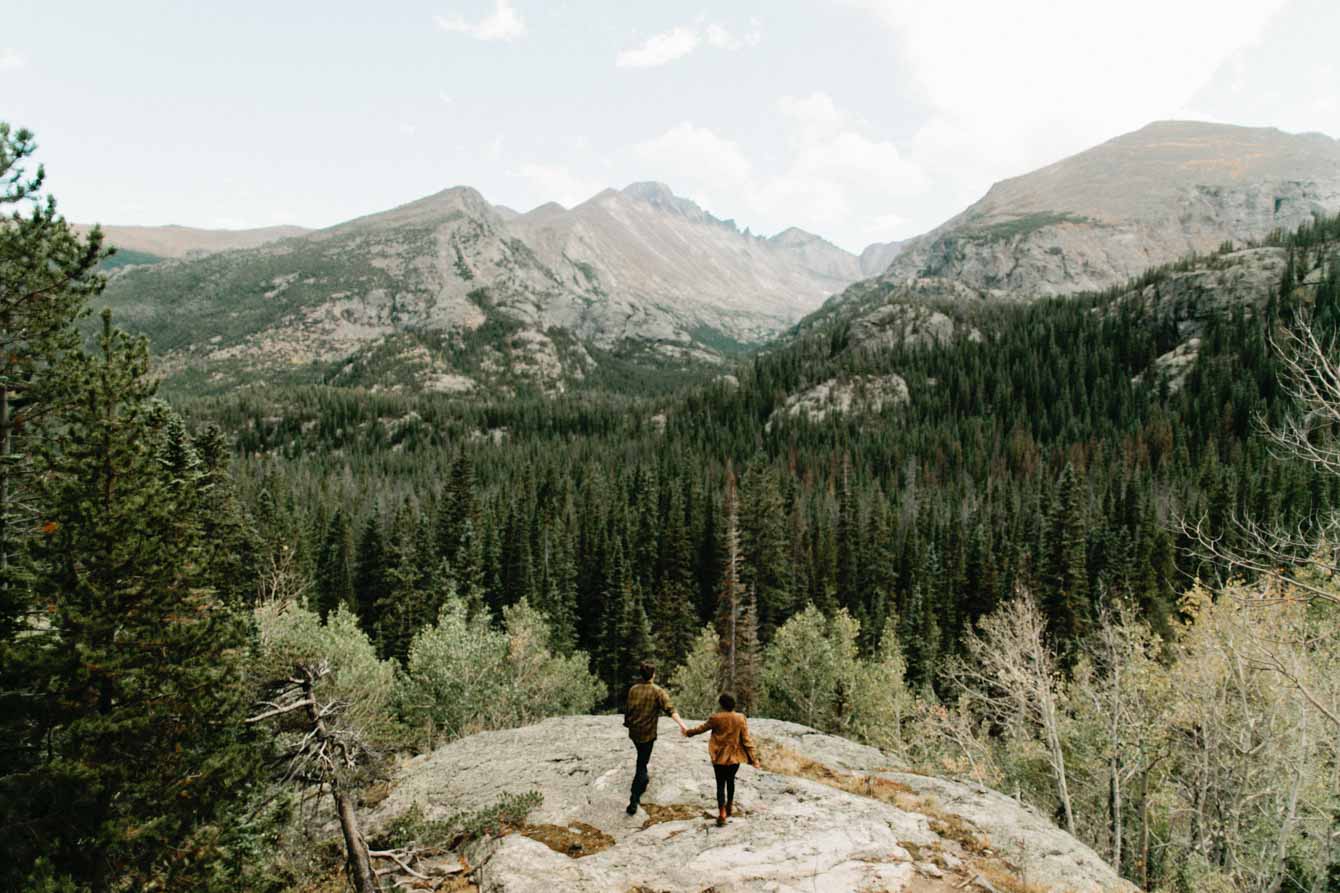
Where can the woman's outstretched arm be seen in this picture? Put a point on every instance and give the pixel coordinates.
(698, 730)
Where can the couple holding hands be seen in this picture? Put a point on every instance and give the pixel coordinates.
(729, 746)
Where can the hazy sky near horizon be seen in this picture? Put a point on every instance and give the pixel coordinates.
(860, 120)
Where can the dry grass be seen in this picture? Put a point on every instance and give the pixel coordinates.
(1005, 880)
(784, 761)
(575, 840)
(983, 860)
(675, 812)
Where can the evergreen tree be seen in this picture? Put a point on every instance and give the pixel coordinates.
(139, 750)
(617, 621)
(230, 535)
(47, 274)
(764, 543)
(370, 572)
(674, 612)
(1066, 599)
(334, 567)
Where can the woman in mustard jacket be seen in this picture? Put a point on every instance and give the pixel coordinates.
(729, 746)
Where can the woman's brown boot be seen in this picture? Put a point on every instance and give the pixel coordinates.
(721, 816)
(730, 808)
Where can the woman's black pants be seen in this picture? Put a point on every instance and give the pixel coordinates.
(725, 783)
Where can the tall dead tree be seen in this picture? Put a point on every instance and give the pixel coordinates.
(1010, 676)
(737, 614)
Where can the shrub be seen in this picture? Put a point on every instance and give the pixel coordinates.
(463, 676)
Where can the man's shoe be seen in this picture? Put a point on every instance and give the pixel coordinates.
(632, 809)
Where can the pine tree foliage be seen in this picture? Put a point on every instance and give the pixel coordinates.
(47, 273)
(136, 748)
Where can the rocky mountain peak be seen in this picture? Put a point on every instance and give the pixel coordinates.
(653, 193)
(1106, 214)
(660, 197)
(794, 235)
(450, 202)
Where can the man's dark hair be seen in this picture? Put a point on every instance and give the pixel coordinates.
(727, 701)
(648, 670)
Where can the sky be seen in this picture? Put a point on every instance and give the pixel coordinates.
(860, 120)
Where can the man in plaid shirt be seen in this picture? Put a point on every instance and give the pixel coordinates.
(646, 702)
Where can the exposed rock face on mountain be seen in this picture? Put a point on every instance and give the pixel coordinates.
(681, 267)
(161, 242)
(1214, 286)
(868, 394)
(906, 324)
(876, 258)
(1098, 218)
(823, 814)
(452, 292)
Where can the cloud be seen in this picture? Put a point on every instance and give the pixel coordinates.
(504, 24)
(556, 182)
(835, 178)
(11, 60)
(687, 153)
(660, 49)
(722, 39)
(680, 41)
(408, 129)
(1011, 86)
(446, 98)
(836, 172)
(814, 116)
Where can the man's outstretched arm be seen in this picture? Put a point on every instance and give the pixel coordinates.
(669, 707)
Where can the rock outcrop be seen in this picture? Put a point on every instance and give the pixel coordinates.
(844, 396)
(906, 324)
(824, 814)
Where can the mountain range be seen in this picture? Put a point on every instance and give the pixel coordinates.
(640, 287)
(450, 293)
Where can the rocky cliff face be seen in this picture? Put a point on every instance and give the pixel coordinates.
(453, 289)
(681, 267)
(1101, 217)
(823, 814)
(877, 258)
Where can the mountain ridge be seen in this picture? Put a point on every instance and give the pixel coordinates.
(449, 290)
(176, 241)
(1102, 216)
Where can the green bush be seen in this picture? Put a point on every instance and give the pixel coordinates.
(464, 676)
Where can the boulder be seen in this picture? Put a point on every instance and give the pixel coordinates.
(823, 814)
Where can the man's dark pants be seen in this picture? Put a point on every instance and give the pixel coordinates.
(640, 777)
